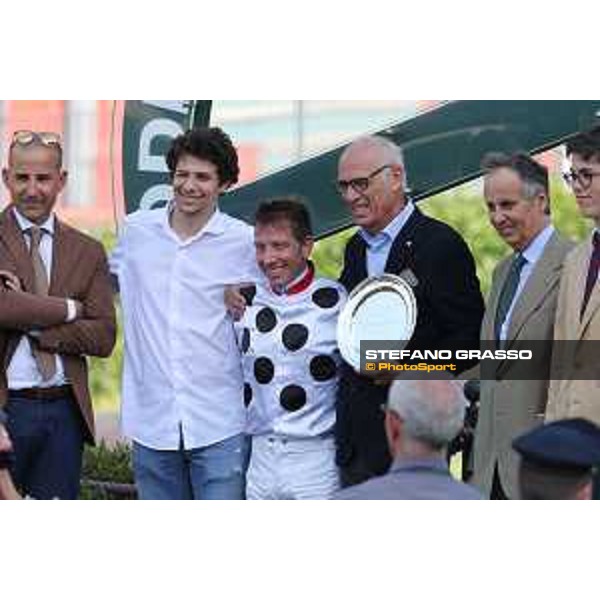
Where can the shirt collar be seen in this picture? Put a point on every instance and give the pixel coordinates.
(300, 283)
(411, 464)
(214, 226)
(393, 228)
(536, 247)
(25, 224)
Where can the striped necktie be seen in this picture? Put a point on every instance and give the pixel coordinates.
(508, 292)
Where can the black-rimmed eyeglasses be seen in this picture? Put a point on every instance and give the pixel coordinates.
(360, 184)
(583, 177)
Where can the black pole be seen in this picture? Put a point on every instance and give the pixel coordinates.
(200, 113)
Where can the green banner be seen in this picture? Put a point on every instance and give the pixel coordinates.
(148, 129)
(442, 148)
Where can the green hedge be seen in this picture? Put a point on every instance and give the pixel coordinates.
(107, 472)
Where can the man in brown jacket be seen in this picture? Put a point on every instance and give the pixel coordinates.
(575, 390)
(56, 308)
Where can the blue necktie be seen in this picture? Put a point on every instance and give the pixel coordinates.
(508, 292)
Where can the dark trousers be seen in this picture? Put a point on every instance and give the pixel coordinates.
(354, 474)
(497, 492)
(358, 470)
(47, 437)
(596, 486)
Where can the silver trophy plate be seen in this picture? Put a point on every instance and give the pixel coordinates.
(380, 308)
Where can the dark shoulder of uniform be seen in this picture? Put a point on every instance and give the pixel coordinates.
(568, 444)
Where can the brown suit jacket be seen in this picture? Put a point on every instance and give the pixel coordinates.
(79, 271)
(510, 407)
(571, 396)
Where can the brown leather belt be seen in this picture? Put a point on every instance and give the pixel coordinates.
(49, 393)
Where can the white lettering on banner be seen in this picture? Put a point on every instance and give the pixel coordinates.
(161, 192)
(152, 129)
(155, 163)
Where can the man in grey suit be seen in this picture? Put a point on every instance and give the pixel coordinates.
(421, 418)
(521, 308)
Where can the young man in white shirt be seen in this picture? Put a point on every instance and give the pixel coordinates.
(182, 382)
(290, 359)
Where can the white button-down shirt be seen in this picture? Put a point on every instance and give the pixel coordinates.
(23, 371)
(182, 371)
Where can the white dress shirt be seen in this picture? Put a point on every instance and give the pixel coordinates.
(182, 373)
(23, 371)
(532, 254)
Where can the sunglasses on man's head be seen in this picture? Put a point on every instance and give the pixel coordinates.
(25, 137)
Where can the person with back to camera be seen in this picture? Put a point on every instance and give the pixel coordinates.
(421, 418)
(559, 460)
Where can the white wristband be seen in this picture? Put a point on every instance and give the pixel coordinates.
(71, 310)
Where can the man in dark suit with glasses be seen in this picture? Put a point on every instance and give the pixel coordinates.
(394, 236)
